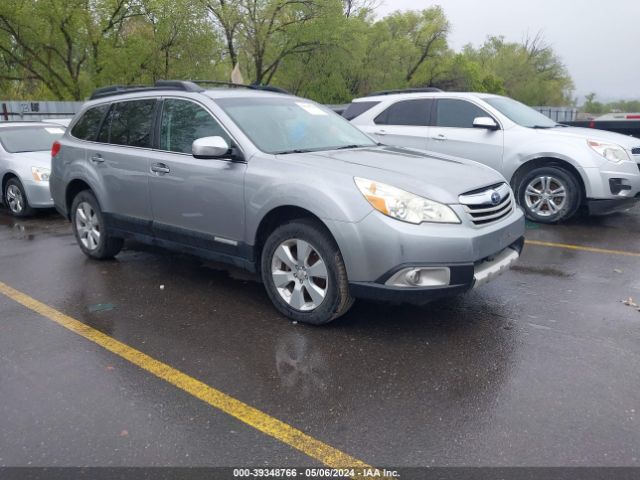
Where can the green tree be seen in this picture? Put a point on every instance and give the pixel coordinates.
(530, 71)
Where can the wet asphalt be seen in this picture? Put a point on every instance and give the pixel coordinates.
(539, 368)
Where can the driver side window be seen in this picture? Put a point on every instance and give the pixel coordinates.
(183, 122)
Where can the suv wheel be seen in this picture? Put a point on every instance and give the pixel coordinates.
(304, 274)
(548, 194)
(90, 230)
(16, 199)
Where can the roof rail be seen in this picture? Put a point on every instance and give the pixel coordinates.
(406, 90)
(184, 86)
(253, 86)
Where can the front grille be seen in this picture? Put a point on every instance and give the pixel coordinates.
(482, 210)
(635, 151)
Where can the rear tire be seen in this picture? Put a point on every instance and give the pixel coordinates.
(304, 274)
(90, 229)
(16, 199)
(548, 194)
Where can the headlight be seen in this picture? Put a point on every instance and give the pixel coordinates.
(40, 174)
(610, 151)
(403, 205)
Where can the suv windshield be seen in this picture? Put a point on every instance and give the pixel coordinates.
(288, 125)
(29, 139)
(520, 113)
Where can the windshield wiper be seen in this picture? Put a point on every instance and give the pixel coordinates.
(295, 150)
(348, 147)
(541, 127)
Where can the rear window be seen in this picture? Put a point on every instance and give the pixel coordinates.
(29, 139)
(87, 127)
(408, 112)
(129, 123)
(357, 108)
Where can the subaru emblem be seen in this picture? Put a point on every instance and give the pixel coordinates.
(495, 198)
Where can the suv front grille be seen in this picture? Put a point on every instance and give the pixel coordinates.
(482, 207)
(635, 151)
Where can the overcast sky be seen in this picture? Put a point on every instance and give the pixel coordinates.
(598, 40)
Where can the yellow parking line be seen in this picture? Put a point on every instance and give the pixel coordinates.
(582, 248)
(253, 417)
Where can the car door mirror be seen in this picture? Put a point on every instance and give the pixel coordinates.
(210, 148)
(487, 123)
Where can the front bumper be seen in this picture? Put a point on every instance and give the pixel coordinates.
(612, 182)
(38, 194)
(463, 278)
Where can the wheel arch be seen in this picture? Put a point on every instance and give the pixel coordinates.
(74, 187)
(278, 216)
(548, 162)
(6, 177)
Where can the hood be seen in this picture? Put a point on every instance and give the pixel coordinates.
(36, 159)
(438, 177)
(625, 141)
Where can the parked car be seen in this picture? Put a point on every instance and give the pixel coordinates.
(284, 187)
(553, 169)
(25, 162)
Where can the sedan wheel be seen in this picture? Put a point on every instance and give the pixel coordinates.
(15, 200)
(546, 196)
(299, 274)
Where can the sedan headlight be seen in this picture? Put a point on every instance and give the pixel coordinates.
(40, 174)
(403, 205)
(610, 151)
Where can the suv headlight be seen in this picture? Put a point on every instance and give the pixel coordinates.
(610, 151)
(402, 205)
(40, 174)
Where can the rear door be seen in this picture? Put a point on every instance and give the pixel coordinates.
(120, 161)
(195, 202)
(453, 133)
(403, 123)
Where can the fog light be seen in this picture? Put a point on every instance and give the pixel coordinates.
(420, 277)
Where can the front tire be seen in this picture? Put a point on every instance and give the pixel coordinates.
(16, 199)
(548, 194)
(90, 230)
(304, 274)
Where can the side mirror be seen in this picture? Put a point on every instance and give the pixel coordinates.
(210, 147)
(487, 123)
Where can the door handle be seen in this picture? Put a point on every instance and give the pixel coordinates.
(381, 132)
(440, 137)
(97, 158)
(160, 168)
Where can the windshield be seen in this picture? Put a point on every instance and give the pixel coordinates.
(29, 139)
(520, 113)
(287, 125)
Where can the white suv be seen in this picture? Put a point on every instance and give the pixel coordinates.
(554, 169)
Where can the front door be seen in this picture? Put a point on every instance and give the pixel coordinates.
(199, 203)
(453, 133)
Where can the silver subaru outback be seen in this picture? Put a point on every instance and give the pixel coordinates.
(284, 187)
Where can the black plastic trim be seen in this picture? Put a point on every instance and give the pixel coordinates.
(604, 207)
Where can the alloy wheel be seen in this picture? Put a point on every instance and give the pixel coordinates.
(545, 196)
(87, 226)
(299, 274)
(14, 198)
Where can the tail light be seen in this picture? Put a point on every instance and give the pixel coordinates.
(55, 148)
